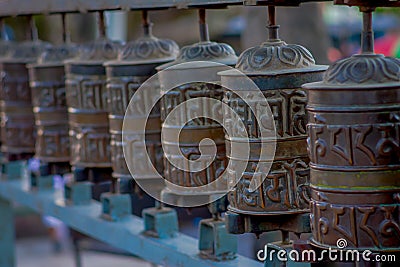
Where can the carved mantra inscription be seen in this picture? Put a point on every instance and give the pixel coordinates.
(361, 225)
(87, 94)
(190, 149)
(90, 138)
(354, 145)
(287, 107)
(121, 91)
(285, 188)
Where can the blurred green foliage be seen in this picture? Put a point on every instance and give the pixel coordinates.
(391, 10)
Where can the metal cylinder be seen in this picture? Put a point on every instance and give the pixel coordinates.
(136, 63)
(47, 81)
(18, 123)
(193, 132)
(87, 102)
(278, 69)
(353, 142)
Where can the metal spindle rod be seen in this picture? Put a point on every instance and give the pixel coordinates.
(367, 37)
(115, 186)
(285, 237)
(147, 25)
(101, 23)
(272, 27)
(204, 35)
(65, 31)
(32, 32)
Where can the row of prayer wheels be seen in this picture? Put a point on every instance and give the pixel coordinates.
(337, 132)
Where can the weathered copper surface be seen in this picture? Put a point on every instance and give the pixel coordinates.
(200, 128)
(136, 63)
(279, 70)
(47, 80)
(17, 127)
(87, 101)
(354, 137)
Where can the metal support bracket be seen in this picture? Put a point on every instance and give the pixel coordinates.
(41, 182)
(181, 250)
(78, 193)
(247, 223)
(116, 207)
(16, 169)
(215, 242)
(160, 222)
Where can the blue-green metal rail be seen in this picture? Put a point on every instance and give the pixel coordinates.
(181, 250)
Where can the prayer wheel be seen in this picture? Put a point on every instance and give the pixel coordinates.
(87, 101)
(206, 54)
(353, 142)
(135, 64)
(18, 122)
(47, 80)
(278, 69)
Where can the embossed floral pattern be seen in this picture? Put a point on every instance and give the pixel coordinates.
(362, 69)
(272, 56)
(149, 48)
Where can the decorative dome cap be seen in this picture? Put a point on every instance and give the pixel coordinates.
(205, 51)
(149, 49)
(274, 56)
(58, 54)
(28, 51)
(98, 51)
(364, 69)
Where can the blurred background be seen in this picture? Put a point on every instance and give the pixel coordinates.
(329, 32)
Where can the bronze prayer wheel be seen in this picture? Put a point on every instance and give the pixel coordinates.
(47, 80)
(193, 132)
(353, 143)
(87, 101)
(354, 136)
(136, 63)
(18, 122)
(278, 69)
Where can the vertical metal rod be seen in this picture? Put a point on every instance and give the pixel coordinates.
(65, 31)
(271, 15)
(7, 234)
(101, 23)
(272, 27)
(367, 36)
(204, 35)
(285, 237)
(115, 187)
(34, 31)
(147, 25)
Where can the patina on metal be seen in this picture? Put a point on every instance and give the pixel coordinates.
(279, 70)
(353, 142)
(214, 241)
(18, 123)
(87, 101)
(193, 132)
(47, 81)
(136, 63)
